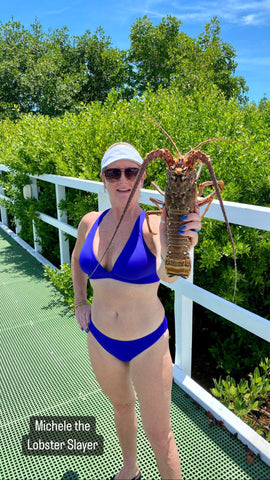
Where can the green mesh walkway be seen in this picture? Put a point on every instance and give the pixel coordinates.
(45, 371)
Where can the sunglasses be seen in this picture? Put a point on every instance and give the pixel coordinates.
(114, 174)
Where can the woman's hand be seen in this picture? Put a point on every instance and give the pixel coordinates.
(192, 226)
(83, 313)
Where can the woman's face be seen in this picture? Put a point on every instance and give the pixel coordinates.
(119, 187)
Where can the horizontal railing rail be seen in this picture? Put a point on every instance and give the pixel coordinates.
(185, 291)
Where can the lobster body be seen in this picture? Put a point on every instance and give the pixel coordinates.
(181, 197)
(180, 200)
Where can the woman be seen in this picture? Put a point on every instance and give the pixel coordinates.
(127, 331)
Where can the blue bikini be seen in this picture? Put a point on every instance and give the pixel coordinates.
(136, 264)
(126, 350)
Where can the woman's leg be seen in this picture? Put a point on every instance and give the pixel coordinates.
(151, 373)
(114, 379)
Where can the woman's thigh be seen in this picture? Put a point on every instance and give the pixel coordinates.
(112, 374)
(151, 373)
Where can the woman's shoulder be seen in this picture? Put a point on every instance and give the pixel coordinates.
(90, 217)
(88, 221)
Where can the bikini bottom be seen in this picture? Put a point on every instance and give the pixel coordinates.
(126, 350)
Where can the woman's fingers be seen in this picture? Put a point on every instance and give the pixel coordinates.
(191, 226)
(83, 317)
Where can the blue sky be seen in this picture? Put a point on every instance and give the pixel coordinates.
(245, 24)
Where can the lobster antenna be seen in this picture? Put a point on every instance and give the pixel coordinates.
(153, 120)
(204, 143)
(213, 140)
(199, 170)
(213, 176)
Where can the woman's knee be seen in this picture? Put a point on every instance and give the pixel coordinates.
(160, 439)
(122, 409)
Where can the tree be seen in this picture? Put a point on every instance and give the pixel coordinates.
(50, 73)
(51, 82)
(14, 40)
(217, 62)
(102, 65)
(151, 52)
(161, 54)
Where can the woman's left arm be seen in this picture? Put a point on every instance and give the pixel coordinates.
(191, 227)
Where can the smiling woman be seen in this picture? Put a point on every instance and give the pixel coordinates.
(127, 330)
(120, 179)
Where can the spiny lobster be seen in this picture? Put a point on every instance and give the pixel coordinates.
(180, 199)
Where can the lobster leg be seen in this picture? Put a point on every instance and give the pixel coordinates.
(208, 184)
(147, 214)
(153, 212)
(157, 203)
(158, 189)
(203, 200)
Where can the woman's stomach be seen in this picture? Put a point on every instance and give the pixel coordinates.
(125, 311)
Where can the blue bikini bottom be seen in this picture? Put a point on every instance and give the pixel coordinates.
(126, 350)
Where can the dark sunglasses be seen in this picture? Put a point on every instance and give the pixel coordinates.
(114, 174)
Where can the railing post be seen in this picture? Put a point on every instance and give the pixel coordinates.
(18, 226)
(37, 240)
(103, 201)
(62, 217)
(3, 210)
(183, 311)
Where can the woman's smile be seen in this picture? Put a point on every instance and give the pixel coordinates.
(123, 190)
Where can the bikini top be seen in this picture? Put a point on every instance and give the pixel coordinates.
(135, 264)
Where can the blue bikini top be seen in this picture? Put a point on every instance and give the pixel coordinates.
(135, 264)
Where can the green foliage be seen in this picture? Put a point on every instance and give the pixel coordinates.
(162, 55)
(62, 280)
(52, 73)
(234, 349)
(77, 204)
(19, 208)
(217, 63)
(103, 63)
(247, 396)
(152, 51)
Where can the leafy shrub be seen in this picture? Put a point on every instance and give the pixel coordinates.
(247, 396)
(62, 280)
(235, 350)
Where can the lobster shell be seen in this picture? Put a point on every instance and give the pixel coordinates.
(180, 199)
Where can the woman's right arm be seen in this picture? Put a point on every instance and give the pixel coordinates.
(79, 278)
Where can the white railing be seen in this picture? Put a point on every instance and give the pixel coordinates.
(185, 291)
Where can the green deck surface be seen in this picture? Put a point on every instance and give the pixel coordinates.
(45, 371)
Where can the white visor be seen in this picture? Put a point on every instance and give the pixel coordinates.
(120, 151)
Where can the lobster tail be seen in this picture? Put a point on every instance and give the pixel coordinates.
(180, 199)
